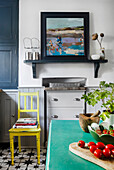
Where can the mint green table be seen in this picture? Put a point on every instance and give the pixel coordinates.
(61, 134)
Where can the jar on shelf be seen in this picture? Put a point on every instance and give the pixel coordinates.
(36, 54)
(32, 49)
(35, 48)
(28, 54)
(27, 46)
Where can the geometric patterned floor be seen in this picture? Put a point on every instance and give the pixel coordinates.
(25, 160)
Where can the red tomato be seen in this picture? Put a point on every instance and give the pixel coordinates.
(98, 153)
(105, 131)
(112, 152)
(90, 144)
(100, 145)
(98, 132)
(111, 132)
(109, 146)
(81, 143)
(93, 148)
(107, 152)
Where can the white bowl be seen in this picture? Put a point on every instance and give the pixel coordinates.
(95, 57)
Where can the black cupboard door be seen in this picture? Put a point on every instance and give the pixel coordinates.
(9, 43)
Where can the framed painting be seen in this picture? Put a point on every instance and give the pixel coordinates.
(64, 36)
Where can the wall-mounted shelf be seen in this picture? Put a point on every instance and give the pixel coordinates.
(96, 64)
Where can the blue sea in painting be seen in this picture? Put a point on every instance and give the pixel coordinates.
(67, 46)
(56, 52)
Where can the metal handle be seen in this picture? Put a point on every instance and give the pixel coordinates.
(54, 99)
(76, 99)
(13, 115)
(54, 116)
(76, 116)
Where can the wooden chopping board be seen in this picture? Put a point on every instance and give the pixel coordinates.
(105, 163)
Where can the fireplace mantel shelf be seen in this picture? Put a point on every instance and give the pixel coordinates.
(96, 64)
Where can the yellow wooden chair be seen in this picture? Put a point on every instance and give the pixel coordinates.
(26, 131)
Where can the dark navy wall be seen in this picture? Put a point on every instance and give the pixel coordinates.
(9, 43)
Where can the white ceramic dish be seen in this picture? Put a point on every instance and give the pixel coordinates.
(95, 57)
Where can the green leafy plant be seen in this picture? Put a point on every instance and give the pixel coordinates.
(104, 93)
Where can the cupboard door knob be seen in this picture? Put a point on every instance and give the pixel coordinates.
(76, 99)
(76, 116)
(13, 115)
(54, 116)
(54, 99)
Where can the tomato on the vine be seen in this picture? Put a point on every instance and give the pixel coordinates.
(105, 131)
(81, 143)
(90, 144)
(93, 148)
(100, 145)
(107, 152)
(98, 153)
(112, 134)
(109, 146)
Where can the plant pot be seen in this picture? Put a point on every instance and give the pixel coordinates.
(86, 119)
(110, 120)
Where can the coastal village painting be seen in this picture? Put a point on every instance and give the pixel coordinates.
(65, 36)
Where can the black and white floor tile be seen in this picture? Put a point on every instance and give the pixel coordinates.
(25, 160)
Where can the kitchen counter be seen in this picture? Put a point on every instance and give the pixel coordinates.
(61, 134)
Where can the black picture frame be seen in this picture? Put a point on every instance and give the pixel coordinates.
(45, 16)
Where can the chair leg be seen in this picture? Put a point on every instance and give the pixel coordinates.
(12, 149)
(19, 143)
(38, 147)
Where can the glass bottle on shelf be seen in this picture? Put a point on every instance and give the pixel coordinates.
(102, 53)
